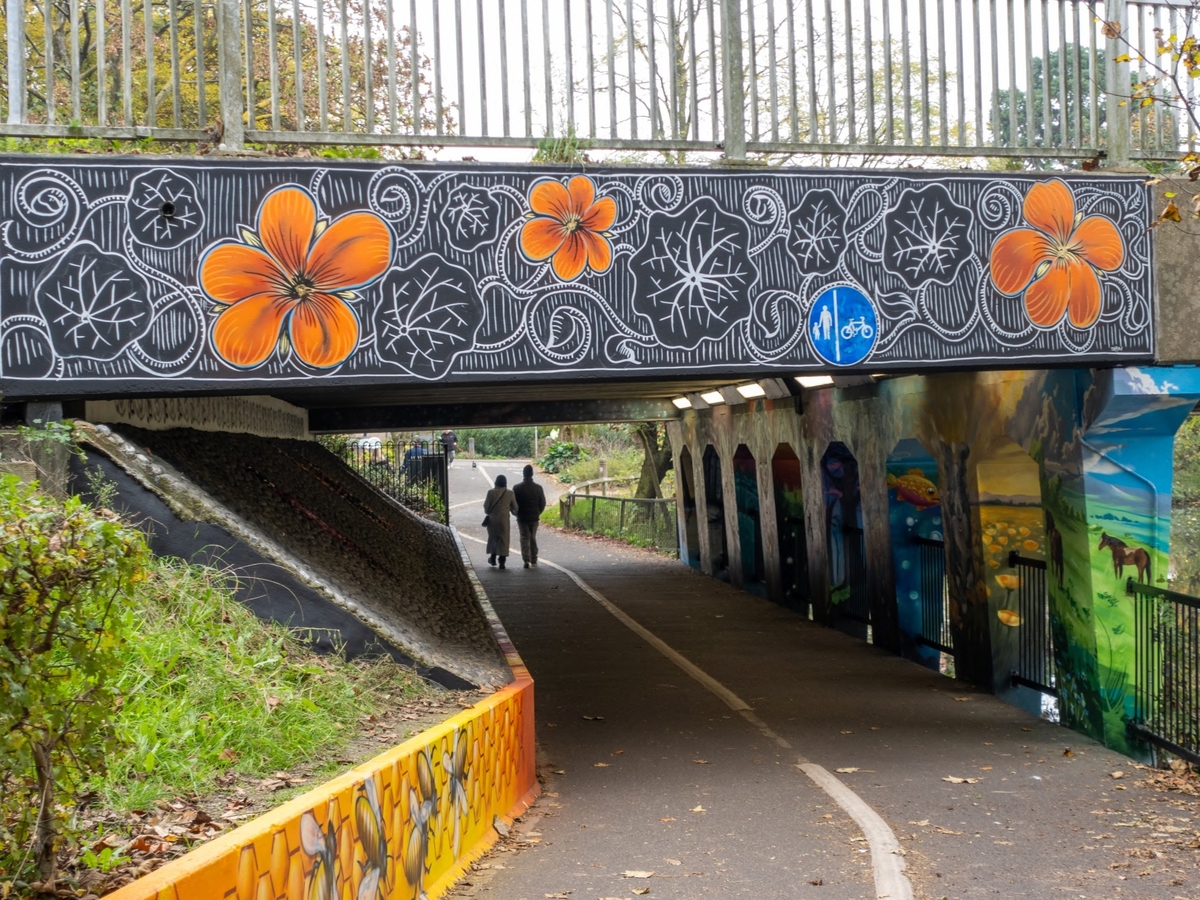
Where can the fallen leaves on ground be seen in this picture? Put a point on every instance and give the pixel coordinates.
(817, 882)
(637, 873)
(669, 818)
(673, 862)
(641, 890)
(593, 718)
(698, 809)
(846, 770)
(700, 762)
(558, 895)
(954, 779)
(600, 765)
(962, 699)
(938, 829)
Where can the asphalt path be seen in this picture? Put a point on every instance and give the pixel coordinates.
(649, 770)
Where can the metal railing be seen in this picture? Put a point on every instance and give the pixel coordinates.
(412, 473)
(856, 606)
(648, 522)
(1035, 648)
(1166, 669)
(1023, 78)
(935, 596)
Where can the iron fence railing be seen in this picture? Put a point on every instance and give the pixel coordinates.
(1024, 78)
(1166, 669)
(1035, 648)
(935, 596)
(410, 472)
(648, 522)
(856, 606)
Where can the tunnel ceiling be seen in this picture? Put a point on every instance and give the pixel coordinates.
(369, 283)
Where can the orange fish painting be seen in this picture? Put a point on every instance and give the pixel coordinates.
(915, 488)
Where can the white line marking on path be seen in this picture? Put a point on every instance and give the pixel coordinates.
(887, 859)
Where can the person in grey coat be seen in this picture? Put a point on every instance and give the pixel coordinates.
(499, 505)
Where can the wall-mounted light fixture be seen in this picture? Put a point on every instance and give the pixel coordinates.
(712, 398)
(814, 381)
(682, 403)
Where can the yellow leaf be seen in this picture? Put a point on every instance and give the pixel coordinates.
(1171, 213)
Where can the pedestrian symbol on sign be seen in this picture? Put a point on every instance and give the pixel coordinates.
(843, 326)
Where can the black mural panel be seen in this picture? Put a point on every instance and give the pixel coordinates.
(124, 275)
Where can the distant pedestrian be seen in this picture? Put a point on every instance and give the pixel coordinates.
(531, 500)
(450, 443)
(498, 505)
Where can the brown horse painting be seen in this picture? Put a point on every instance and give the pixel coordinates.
(1124, 555)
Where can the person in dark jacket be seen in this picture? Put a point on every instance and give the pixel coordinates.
(531, 500)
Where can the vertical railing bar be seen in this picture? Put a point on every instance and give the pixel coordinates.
(1175, 141)
(631, 51)
(888, 90)
(526, 78)
(714, 98)
(752, 68)
(795, 79)
(48, 56)
(176, 68)
(1143, 116)
(126, 61)
(962, 74)
(810, 46)
(1047, 125)
(393, 96)
(369, 70)
(943, 65)
(298, 64)
(994, 118)
(439, 110)
(1030, 86)
(673, 43)
(272, 61)
(73, 50)
(505, 106)
(656, 129)
(548, 67)
(151, 99)
(1063, 109)
(414, 64)
(1093, 85)
(923, 37)
(322, 82)
(591, 67)
(772, 75)
(569, 54)
(15, 33)
(869, 82)
(1152, 52)
(1013, 139)
(694, 80)
(977, 48)
(460, 49)
(1077, 77)
(483, 80)
(852, 129)
(612, 73)
(831, 112)
(906, 69)
(102, 67)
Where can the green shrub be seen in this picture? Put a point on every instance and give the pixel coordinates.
(560, 455)
(66, 571)
(497, 443)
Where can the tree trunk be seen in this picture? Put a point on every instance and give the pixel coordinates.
(43, 835)
(656, 460)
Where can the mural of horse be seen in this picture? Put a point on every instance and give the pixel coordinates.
(1124, 555)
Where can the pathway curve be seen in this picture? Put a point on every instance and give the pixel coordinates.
(651, 771)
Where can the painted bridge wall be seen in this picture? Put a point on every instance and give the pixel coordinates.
(126, 277)
(1043, 462)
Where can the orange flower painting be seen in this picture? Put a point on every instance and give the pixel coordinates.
(1055, 263)
(286, 285)
(569, 226)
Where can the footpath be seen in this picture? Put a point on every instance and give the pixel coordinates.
(649, 768)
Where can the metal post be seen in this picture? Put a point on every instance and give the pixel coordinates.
(17, 97)
(1118, 103)
(733, 83)
(229, 76)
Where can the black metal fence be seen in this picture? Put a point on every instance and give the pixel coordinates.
(1167, 669)
(856, 606)
(935, 596)
(647, 522)
(1035, 649)
(411, 472)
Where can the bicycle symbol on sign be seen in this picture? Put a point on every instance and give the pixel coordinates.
(856, 327)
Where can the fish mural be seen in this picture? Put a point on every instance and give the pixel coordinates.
(913, 487)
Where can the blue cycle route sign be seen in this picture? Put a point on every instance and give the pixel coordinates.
(842, 326)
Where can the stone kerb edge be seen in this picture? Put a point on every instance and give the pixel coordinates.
(270, 856)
